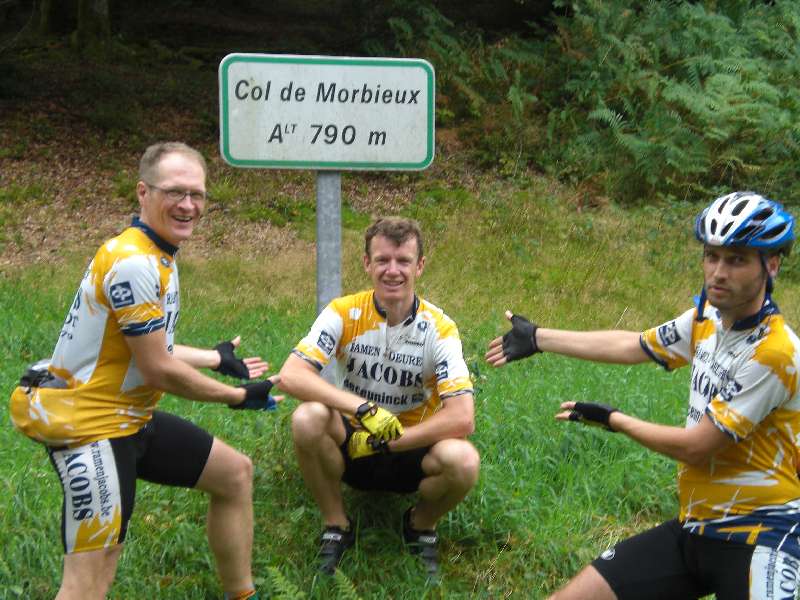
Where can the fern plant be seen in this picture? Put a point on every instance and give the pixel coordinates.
(345, 590)
(282, 588)
(676, 99)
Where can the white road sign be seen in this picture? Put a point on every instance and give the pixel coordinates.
(323, 112)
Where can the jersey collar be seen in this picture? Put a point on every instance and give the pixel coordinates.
(767, 308)
(157, 239)
(411, 317)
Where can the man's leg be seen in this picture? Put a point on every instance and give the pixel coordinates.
(652, 564)
(586, 585)
(88, 575)
(228, 479)
(99, 479)
(451, 468)
(318, 432)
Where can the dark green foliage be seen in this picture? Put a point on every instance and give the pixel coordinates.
(637, 100)
(675, 99)
(481, 87)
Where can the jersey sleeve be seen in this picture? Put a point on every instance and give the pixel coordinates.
(452, 374)
(670, 344)
(320, 344)
(762, 385)
(132, 288)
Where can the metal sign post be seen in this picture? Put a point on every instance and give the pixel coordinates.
(329, 114)
(329, 237)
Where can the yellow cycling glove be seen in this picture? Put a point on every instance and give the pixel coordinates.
(379, 422)
(362, 444)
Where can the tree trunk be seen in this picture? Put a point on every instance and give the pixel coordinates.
(53, 17)
(94, 24)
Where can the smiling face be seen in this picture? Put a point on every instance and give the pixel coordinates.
(736, 280)
(173, 220)
(393, 269)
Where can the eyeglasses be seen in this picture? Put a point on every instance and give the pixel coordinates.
(176, 195)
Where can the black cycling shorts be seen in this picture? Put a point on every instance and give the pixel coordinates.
(99, 478)
(399, 472)
(667, 562)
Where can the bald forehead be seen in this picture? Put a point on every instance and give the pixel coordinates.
(176, 163)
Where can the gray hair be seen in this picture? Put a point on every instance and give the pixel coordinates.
(148, 165)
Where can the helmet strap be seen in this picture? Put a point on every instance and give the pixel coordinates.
(700, 301)
(770, 284)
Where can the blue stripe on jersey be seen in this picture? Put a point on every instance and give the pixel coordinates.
(310, 361)
(651, 354)
(157, 239)
(145, 328)
(772, 526)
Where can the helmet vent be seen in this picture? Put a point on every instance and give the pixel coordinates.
(725, 229)
(713, 226)
(763, 215)
(722, 206)
(745, 233)
(774, 233)
(738, 208)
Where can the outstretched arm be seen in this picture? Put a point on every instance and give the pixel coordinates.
(621, 347)
(163, 371)
(694, 446)
(222, 358)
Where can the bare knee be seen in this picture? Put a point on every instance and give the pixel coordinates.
(241, 479)
(458, 460)
(588, 584)
(310, 422)
(88, 575)
(228, 473)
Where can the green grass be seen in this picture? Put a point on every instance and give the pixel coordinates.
(551, 496)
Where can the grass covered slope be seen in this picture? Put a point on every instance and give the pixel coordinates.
(550, 497)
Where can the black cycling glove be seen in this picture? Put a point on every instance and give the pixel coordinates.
(257, 397)
(594, 414)
(229, 364)
(520, 341)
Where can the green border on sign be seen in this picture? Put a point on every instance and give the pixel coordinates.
(322, 60)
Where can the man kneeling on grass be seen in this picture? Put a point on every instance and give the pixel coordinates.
(399, 417)
(738, 533)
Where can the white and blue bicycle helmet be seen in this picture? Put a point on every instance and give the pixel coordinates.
(746, 219)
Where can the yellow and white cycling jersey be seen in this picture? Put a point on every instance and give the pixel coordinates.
(129, 289)
(745, 380)
(407, 369)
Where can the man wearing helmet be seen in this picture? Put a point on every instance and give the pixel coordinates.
(738, 532)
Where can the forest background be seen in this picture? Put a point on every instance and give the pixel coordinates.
(575, 142)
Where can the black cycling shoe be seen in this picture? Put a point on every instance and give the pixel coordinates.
(422, 543)
(333, 542)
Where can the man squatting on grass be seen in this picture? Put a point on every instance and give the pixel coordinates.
(398, 418)
(93, 403)
(737, 535)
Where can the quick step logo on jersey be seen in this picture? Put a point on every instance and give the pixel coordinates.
(121, 294)
(730, 389)
(441, 370)
(668, 334)
(326, 342)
